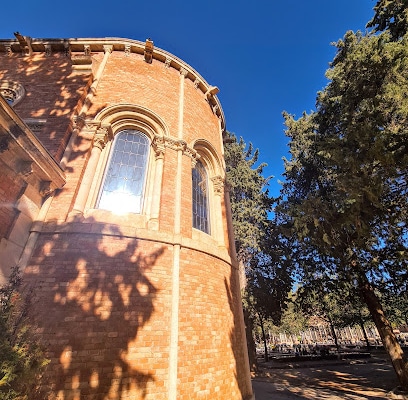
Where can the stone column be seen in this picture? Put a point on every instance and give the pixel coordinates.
(102, 136)
(218, 185)
(174, 326)
(183, 74)
(154, 205)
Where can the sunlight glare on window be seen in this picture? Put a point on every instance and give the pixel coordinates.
(124, 179)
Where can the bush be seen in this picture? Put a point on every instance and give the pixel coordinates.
(22, 359)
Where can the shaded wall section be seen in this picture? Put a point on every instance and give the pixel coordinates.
(212, 362)
(102, 308)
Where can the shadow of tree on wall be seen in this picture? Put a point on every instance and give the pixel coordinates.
(54, 93)
(92, 296)
(93, 293)
(237, 336)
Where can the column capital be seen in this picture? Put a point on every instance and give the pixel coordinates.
(102, 136)
(107, 48)
(218, 184)
(159, 146)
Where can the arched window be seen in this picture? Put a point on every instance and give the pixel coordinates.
(200, 198)
(124, 179)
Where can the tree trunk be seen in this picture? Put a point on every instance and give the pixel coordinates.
(333, 332)
(249, 328)
(388, 338)
(264, 338)
(361, 322)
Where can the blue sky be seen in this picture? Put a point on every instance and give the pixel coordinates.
(266, 56)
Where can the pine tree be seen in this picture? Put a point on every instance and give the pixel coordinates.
(22, 359)
(346, 181)
(259, 249)
(250, 200)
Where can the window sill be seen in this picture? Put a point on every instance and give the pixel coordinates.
(110, 217)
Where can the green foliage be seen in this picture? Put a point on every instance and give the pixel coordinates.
(346, 188)
(292, 321)
(21, 357)
(345, 195)
(250, 201)
(269, 276)
(395, 302)
(391, 15)
(337, 303)
(318, 299)
(259, 249)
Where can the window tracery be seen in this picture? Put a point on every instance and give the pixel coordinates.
(13, 92)
(124, 179)
(200, 198)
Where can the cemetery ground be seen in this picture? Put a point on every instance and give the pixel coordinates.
(371, 378)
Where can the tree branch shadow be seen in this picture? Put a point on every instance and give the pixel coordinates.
(92, 296)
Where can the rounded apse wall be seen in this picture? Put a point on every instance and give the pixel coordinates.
(144, 302)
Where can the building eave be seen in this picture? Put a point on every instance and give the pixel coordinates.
(80, 46)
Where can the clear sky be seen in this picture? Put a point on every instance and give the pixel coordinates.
(266, 56)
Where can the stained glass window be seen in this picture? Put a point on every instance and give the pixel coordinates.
(200, 198)
(123, 184)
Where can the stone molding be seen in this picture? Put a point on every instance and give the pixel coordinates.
(101, 134)
(100, 222)
(35, 124)
(81, 50)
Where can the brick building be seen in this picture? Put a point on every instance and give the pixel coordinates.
(113, 203)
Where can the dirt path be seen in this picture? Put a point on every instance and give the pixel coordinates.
(354, 381)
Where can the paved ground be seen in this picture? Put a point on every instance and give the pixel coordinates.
(368, 379)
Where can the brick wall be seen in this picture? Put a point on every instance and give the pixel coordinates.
(103, 308)
(52, 94)
(209, 341)
(104, 289)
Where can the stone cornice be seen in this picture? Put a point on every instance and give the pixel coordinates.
(100, 222)
(81, 48)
